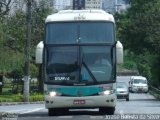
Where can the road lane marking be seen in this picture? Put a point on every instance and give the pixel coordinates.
(13, 111)
(34, 110)
(96, 117)
(66, 117)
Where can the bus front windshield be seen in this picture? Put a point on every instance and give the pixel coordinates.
(74, 63)
(85, 32)
(66, 65)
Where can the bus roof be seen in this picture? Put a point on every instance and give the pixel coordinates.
(80, 15)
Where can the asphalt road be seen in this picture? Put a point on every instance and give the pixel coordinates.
(140, 103)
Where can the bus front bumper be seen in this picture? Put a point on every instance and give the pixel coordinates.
(80, 102)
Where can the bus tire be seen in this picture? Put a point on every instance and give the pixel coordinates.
(57, 111)
(127, 99)
(51, 112)
(107, 110)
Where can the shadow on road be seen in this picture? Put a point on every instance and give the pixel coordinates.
(69, 113)
(123, 100)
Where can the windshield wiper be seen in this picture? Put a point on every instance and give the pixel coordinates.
(89, 71)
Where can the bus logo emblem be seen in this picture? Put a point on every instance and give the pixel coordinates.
(79, 93)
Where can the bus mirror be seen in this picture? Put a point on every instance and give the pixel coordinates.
(39, 52)
(119, 52)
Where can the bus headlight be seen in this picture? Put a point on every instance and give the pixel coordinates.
(107, 92)
(53, 94)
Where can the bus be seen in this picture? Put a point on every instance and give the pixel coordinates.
(79, 56)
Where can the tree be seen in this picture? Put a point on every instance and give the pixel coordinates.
(4, 7)
(15, 29)
(13, 36)
(39, 15)
(40, 12)
(141, 26)
(139, 31)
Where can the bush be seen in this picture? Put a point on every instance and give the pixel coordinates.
(6, 100)
(144, 69)
(19, 98)
(130, 65)
(11, 98)
(36, 98)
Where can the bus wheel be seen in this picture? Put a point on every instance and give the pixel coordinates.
(51, 112)
(61, 111)
(57, 111)
(107, 110)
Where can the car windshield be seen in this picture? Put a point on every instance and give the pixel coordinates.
(76, 65)
(121, 85)
(137, 81)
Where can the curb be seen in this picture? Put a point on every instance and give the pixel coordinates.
(20, 103)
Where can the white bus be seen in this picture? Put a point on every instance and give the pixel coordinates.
(79, 56)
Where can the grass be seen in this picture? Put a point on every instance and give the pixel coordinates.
(11, 98)
(19, 98)
(34, 98)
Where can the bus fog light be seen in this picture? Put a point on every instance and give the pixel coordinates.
(112, 100)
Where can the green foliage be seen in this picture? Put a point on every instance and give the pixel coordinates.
(10, 45)
(10, 60)
(129, 61)
(17, 73)
(36, 98)
(16, 32)
(19, 98)
(155, 68)
(129, 65)
(144, 69)
(139, 31)
(33, 70)
(141, 25)
(13, 37)
(39, 15)
(11, 98)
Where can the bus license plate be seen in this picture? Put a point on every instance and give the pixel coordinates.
(79, 102)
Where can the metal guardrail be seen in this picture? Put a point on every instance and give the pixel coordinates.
(155, 89)
(155, 92)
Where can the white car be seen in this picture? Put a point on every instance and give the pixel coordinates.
(138, 84)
